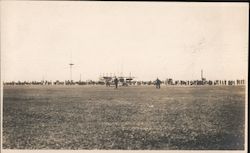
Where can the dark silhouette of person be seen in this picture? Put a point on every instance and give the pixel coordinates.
(158, 83)
(116, 82)
(107, 84)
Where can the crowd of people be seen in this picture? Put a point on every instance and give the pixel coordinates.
(116, 82)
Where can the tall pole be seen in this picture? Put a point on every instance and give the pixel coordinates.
(201, 74)
(70, 65)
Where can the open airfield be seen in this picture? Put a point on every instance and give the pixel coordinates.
(134, 117)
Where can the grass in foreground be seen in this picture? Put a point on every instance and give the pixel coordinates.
(81, 117)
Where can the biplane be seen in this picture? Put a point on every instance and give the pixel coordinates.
(122, 80)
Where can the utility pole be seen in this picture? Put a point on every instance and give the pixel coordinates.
(201, 74)
(70, 68)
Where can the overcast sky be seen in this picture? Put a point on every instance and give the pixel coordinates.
(148, 39)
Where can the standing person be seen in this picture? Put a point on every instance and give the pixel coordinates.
(116, 82)
(158, 83)
(107, 84)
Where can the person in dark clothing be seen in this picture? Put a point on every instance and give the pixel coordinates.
(116, 82)
(107, 84)
(158, 83)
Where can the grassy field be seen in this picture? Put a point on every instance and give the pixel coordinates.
(96, 117)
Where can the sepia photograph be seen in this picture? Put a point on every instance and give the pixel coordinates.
(124, 76)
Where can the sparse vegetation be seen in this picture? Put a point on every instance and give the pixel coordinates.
(140, 117)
